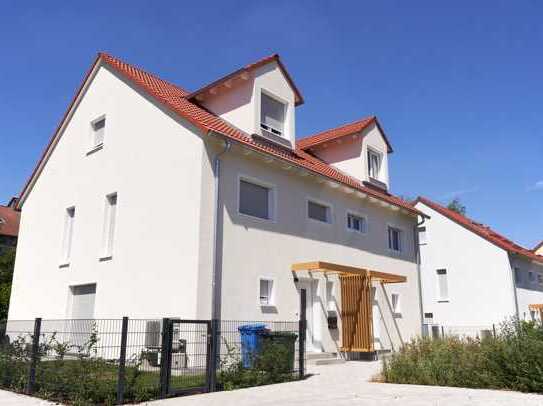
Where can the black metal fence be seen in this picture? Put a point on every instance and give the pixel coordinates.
(120, 360)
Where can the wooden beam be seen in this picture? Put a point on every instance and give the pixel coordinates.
(321, 266)
(228, 84)
(244, 76)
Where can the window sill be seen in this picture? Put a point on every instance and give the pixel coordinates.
(95, 149)
(315, 221)
(106, 258)
(443, 301)
(255, 218)
(64, 265)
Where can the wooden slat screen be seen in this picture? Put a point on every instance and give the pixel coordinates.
(356, 313)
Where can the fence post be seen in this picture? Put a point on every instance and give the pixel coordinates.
(301, 334)
(34, 356)
(494, 329)
(122, 362)
(164, 355)
(442, 332)
(215, 354)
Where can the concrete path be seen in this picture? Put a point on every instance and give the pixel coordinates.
(347, 384)
(10, 398)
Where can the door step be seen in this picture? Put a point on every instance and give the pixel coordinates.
(331, 361)
(323, 358)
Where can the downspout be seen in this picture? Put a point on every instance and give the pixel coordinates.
(514, 284)
(217, 273)
(418, 259)
(216, 279)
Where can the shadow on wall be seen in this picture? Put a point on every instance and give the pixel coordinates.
(292, 209)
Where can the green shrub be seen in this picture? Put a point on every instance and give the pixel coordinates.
(511, 360)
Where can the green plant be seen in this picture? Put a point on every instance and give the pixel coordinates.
(511, 360)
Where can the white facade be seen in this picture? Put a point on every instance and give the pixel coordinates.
(479, 282)
(157, 258)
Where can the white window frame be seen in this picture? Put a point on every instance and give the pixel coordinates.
(93, 146)
(272, 197)
(330, 211)
(402, 239)
(285, 103)
(359, 215)
(67, 236)
(439, 297)
(398, 308)
(109, 227)
(271, 297)
(379, 154)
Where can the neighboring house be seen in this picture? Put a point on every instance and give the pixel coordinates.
(538, 249)
(472, 277)
(9, 225)
(153, 201)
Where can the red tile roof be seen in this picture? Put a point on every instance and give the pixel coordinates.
(248, 68)
(482, 230)
(9, 221)
(176, 100)
(339, 132)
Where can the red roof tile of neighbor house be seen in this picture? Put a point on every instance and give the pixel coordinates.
(248, 68)
(340, 132)
(482, 230)
(9, 221)
(176, 100)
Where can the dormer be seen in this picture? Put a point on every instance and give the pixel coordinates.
(358, 149)
(259, 99)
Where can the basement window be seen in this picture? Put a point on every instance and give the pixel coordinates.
(272, 114)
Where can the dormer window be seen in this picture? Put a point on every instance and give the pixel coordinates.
(374, 164)
(272, 115)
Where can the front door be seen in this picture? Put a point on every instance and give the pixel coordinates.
(312, 333)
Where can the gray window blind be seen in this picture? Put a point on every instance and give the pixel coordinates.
(442, 284)
(254, 200)
(317, 211)
(272, 114)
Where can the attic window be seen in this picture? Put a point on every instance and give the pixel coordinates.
(374, 164)
(272, 114)
(98, 132)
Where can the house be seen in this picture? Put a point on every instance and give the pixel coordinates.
(9, 226)
(473, 277)
(153, 201)
(538, 249)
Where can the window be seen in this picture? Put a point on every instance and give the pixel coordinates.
(266, 291)
(443, 287)
(540, 279)
(395, 299)
(518, 276)
(69, 217)
(394, 239)
(374, 164)
(98, 132)
(357, 223)
(272, 114)
(83, 299)
(423, 238)
(531, 277)
(255, 200)
(318, 211)
(109, 225)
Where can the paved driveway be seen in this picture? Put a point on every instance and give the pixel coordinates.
(347, 384)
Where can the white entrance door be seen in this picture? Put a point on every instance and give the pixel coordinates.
(312, 333)
(376, 318)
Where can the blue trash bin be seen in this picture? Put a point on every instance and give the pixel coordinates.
(250, 342)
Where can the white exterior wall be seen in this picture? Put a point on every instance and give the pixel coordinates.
(351, 155)
(480, 281)
(153, 162)
(253, 248)
(240, 105)
(528, 292)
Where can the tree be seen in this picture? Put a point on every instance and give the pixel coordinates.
(7, 262)
(457, 206)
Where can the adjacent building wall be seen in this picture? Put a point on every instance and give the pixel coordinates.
(153, 162)
(528, 292)
(480, 281)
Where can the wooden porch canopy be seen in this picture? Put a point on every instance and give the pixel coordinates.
(356, 301)
(328, 267)
(536, 306)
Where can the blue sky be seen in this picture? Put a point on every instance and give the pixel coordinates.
(457, 85)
